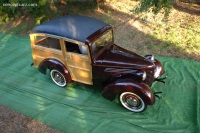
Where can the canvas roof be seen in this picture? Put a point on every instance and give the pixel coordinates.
(73, 27)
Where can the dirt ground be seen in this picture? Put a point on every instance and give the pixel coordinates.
(12, 122)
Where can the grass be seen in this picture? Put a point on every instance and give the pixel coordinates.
(183, 35)
(142, 33)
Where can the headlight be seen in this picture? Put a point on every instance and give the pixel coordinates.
(150, 57)
(139, 74)
(157, 73)
(144, 75)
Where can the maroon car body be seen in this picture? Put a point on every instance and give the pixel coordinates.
(118, 71)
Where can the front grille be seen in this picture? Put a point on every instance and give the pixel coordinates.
(150, 77)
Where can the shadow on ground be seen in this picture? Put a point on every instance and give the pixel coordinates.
(190, 8)
(128, 33)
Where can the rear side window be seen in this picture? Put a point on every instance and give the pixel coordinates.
(39, 38)
(48, 42)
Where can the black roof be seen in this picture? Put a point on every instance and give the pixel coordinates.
(73, 26)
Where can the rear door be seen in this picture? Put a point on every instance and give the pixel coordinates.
(46, 47)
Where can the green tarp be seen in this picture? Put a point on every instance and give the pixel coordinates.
(81, 109)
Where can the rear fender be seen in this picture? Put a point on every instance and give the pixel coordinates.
(128, 85)
(54, 64)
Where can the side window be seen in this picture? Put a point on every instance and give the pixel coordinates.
(75, 48)
(48, 42)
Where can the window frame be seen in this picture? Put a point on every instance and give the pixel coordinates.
(77, 43)
(45, 37)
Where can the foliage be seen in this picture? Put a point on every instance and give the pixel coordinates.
(13, 8)
(155, 6)
(40, 9)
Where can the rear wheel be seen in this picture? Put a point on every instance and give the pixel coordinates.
(58, 78)
(132, 102)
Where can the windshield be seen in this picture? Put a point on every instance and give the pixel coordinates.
(101, 42)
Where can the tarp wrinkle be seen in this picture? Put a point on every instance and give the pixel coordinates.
(81, 109)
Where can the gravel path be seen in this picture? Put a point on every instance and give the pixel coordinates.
(12, 122)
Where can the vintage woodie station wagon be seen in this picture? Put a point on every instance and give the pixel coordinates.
(82, 49)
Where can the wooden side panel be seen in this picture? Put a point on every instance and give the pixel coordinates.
(40, 53)
(80, 65)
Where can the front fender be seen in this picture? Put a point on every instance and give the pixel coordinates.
(128, 85)
(54, 64)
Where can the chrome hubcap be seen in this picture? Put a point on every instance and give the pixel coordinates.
(58, 78)
(131, 100)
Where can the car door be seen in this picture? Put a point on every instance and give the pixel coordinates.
(77, 60)
(46, 47)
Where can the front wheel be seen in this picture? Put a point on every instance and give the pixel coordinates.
(58, 78)
(132, 102)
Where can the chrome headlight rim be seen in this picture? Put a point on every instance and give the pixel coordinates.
(157, 72)
(150, 57)
(144, 75)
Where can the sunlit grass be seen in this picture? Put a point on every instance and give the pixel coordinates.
(184, 34)
(141, 33)
(150, 34)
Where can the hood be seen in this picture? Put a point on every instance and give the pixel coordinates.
(116, 56)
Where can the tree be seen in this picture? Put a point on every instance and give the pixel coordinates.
(155, 6)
